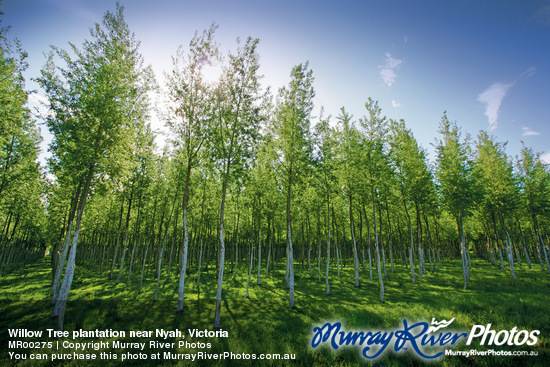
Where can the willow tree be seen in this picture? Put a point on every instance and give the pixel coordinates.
(325, 163)
(376, 168)
(415, 180)
(190, 101)
(19, 136)
(20, 177)
(348, 162)
(263, 185)
(499, 190)
(235, 126)
(454, 173)
(95, 95)
(535, 191)
(291, 127)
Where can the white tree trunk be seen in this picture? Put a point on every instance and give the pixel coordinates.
(319, 258)
(412, 263)
(199, 268)
(527, 256)
(183, 267)
(63, 294)
(259, 255)
(61, 264)
(250, 267)
(222, 252)
(464, 251)
(355, 257)
(370, 262)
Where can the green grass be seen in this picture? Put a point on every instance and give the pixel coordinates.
(265, 324)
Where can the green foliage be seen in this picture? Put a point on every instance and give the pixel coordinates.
(19, 136)
(495, 175)
(535, 183)
(237, 115)
(22, 212)
(454, 170)
(348, 153)
(98, 98)
(411, 166)
(291, 124)
(190, 108)
(376, 163)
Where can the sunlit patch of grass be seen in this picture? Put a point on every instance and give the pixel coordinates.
(264, 323)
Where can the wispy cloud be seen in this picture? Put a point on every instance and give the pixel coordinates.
(529, 72)
(395, 104)
(495, 93)
(387, 71)
(542, 16)
(545, 158)
(493, 97)
(528, 132)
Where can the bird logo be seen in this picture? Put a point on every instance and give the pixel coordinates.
(439, 325)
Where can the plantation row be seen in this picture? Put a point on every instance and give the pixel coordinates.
(247, 177)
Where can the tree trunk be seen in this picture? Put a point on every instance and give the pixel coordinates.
(352, 229)
(411, 245)
(377, 248)
(172, 241)
(269, 245)
(250, 267)
(308, 244)
(183, 266)
(508, 246)
(221, 250)
(236, 266)
(125, 241)
(328, 243)
(361, 239)
(199, 267)
(335, 231)
(289, 240)
(59, 309)
(62, 256)
(163, 245)
(259, 253)
(496, 239)
(463, 248)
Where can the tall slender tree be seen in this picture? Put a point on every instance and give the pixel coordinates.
(349, 163)
(291, 127)
(535, 193)
(498, 186)
(376, 163)
(415, 180)
(454, 173)
(234, 131)
(95, 99)
(190, 108)
(325, 169)
(21, 184)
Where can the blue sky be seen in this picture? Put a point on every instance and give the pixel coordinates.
(487, 63)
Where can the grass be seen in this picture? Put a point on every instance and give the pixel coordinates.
(265, 324)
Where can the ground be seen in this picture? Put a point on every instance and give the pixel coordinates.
(264, 323)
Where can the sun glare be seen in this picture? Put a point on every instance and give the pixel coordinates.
(212, 72)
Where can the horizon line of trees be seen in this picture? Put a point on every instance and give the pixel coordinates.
(248, 181)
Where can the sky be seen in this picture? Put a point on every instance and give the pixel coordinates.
(485, 62)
